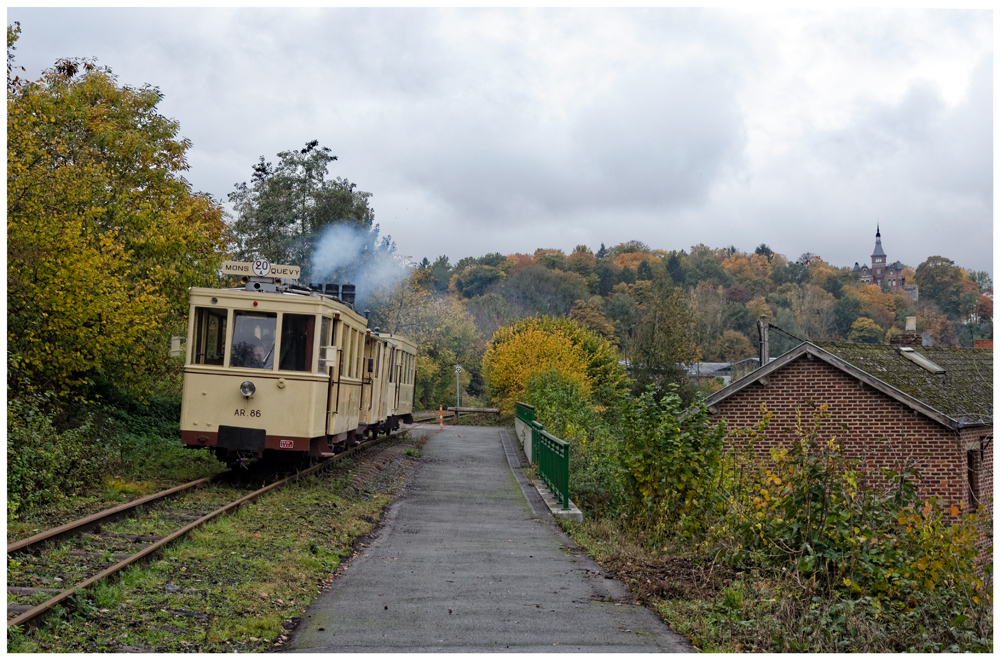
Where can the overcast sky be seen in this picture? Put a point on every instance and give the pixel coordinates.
(508, 130)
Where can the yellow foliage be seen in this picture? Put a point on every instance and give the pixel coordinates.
(514, 357)
(103, 233)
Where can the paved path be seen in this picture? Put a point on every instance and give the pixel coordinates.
(464, 564)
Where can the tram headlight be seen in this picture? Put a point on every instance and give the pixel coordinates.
(247, 388)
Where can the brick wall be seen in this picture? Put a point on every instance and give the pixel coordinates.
(881, 430)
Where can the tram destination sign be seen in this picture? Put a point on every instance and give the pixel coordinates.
(260, 268)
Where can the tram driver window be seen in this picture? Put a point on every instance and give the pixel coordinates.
(296, 342)
(253, 340)
(210, 336)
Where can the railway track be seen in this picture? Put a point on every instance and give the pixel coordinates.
(52, 567)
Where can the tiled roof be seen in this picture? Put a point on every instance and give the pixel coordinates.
(964, 392)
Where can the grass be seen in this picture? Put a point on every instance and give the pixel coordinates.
(236, 584)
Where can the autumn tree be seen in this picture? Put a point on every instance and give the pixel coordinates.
(444, 333)
(590, 314)
(536, 345)
(732, 347)
(866, 331)
(104, 234)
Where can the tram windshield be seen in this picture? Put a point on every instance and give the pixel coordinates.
(296, 342)
(253, 340)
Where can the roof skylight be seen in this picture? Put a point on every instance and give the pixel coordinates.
(920, 360)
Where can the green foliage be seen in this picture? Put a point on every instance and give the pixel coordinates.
(597, 470)
(940, 280)
(673, 456)
(661, 340)
(46, 464)
(285, 208)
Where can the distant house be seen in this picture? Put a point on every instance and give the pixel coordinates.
(702, 371)
(880, 271)
(933, 406)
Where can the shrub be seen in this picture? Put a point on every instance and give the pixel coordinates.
(597, 473)
(863, 541)
(673, 458)
(45, 464)
(514, 356)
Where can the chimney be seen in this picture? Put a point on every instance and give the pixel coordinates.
(347, 293)
(764, 355)
(908, 338)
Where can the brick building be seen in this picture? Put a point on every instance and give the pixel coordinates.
(881, 271)
(931, 405)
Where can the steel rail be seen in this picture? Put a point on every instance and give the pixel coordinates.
(91, 521)
(62, 596)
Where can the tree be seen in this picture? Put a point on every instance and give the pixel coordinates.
(845, 312)
(441, 271)
(590, 314)
(284, 211)
(732, 346)
(940, 280)
(477, 280)
(515, 356)
(675, 268)
(538, 290)
(508, 362)
(663, 337)
(984, 309)
(762, 249)
(982, 279)
(104, 234)
(444, 333)
(866, 331)
(644, 272)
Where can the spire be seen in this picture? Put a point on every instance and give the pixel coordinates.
(878, 243)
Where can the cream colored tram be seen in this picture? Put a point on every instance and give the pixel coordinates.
(387, 399)
(284, 369)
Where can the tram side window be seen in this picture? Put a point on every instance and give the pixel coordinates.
(253, 340)
(345, 356)
(210, 336)
(296, 342)
(324, 340)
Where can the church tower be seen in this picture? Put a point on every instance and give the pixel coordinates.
(878, 257)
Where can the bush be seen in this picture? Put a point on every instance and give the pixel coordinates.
(535, 345)
(863, 541)
(673, 458)
(45, 464)
(597, 474)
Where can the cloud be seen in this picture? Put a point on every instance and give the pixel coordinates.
(479, 130)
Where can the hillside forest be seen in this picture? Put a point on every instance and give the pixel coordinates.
(662, 308)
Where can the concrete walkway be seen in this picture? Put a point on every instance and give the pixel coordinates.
(469, 562)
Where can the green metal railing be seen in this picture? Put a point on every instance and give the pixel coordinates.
(552, 456)
(549, 453)
(524, 412)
